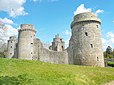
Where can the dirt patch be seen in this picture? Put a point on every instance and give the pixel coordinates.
(109, 83)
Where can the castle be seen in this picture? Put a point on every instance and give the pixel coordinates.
(85, 45)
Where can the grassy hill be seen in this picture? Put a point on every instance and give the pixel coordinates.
(24, 72)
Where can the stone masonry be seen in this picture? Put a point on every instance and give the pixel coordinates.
(85, 46)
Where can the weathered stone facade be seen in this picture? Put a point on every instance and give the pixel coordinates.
(85, 46)
(11, 48)
(58, 44)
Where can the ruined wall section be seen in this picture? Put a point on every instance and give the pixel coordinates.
(37, 46)
(53, 56)
(11, 47)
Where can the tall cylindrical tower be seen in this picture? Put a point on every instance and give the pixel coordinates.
(86, 41)
(11, 47)
(25, 41)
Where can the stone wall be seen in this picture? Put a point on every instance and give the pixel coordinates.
(11, 47)
(86, 42)
(53, 56)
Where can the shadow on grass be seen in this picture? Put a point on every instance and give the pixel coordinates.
(19, 80)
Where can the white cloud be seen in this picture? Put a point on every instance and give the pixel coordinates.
(6, 31)
(13, 7)
(99, 11)
(6, 21)
(113, 21)
(82, 9)
(108, 41)
(67, 34)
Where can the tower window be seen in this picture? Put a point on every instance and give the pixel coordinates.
(11, 46)
(97, 58)
(91, 45)
(10, 53)
(86, 33)
(31, 36)
(31, 52)
(97, 26)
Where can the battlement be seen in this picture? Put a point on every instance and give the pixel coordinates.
(85, 17)
(27, 27)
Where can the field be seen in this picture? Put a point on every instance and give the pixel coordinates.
(25, 72)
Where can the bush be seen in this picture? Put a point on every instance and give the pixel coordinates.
(2, 55)
(110, 64)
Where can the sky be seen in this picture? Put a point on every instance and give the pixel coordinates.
(51, 17)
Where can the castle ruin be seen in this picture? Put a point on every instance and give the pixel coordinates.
(85, 45)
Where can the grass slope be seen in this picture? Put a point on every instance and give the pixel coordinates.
(24, 72)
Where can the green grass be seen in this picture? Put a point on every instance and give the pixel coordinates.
(24, 72)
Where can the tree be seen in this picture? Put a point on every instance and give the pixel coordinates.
(109, 50)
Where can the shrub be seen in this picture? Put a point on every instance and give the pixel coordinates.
(110, 64)
(2, 55)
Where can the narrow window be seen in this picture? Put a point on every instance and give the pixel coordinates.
(11, 41)
(31, 36)
(10, 53)
(91, 45)
(32, 43)
(86, 33)
(11, 46)
(97, 26)
(97, 58)
(31, 52)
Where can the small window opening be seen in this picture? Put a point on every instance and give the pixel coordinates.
(62, 48)
(31, 52)
(86, 33)
(11, 46)
(91, 45)
(10, 53)
(32, 43)
(11, 41)
(97, 58)
(31, 36)
(97, 26)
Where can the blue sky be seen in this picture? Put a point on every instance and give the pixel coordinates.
(51, 17)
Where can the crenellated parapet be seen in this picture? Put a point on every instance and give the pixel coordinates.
(87, 17)
(27, 27)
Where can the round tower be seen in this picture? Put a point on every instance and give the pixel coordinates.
(11, 47)
(85, 42)
(25, 41)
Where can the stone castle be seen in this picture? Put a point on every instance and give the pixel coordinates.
(85, 45)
